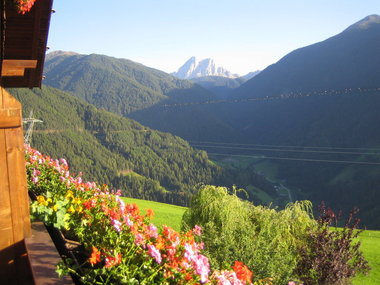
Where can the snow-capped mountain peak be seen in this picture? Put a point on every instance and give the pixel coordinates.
(206, 67)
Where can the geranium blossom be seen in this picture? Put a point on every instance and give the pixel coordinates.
(154, 252)
(95, 256)
(242, 271)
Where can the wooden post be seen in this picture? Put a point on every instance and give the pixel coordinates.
(14, 201)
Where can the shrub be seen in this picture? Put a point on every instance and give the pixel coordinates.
(332, 256)
(259, 236)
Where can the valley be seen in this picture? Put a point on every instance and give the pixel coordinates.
(307, 123)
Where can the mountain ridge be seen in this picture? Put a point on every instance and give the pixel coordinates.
(193, 68)
(338, 62)
(118, 85)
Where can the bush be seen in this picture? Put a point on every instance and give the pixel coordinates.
(261, 237)
(332, 256)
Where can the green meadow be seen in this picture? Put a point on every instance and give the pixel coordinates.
(164, 214)
(371, 248)
(171, 215)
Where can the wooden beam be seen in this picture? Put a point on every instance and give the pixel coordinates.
(10, 118)
(14, 201)
(16, 67)
(43, 257)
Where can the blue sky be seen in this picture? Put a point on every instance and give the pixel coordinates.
(241, 35)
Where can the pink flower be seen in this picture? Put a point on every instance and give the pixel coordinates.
(189, 252)
(35, 179)
(226, 277)
(197, 230)
(121, 204)
(127, 221)
(139, 239)
(152, 231)
(202, 267)
(116, 224)
(36, 172)
(154, 252)
(63, 161)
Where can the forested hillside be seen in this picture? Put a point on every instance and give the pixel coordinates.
(111, 149)
(128, 88)
(118, 85)
(122, 153)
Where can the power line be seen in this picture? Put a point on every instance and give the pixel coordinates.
(300, 159)
(286, 150)
(291, 95)
(286, 146)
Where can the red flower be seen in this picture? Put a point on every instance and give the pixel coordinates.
(24, 6)
(112, 261)
(95, 256)
(242, 272)
(149, 213)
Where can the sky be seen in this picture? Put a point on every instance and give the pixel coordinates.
(240, 35)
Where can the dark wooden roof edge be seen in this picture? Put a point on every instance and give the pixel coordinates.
(26, 38)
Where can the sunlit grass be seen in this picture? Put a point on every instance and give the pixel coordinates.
(165, 214)
(370, 245)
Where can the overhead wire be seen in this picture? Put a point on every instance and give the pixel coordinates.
(282, 148)
(299, 159)
(285, 146)
(291, 95)
(286, 150)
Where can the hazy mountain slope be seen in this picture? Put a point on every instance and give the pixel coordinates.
(131, 89)
(335, 88)
(118, 85)
(350, 59)
(115, 150)
(221, 86)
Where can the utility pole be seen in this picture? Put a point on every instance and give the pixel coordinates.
(29, 131)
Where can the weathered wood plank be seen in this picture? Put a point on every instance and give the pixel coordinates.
(17, 174)
(14, 202)
(7, 250)
(43, 257)
(16, 67)
(6, 231)
(19, 63)
(10, 118)
(13, 72)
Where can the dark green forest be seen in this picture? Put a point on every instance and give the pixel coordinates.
(120, 152)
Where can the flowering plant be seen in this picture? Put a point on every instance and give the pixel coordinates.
(23, 6)
(121, 245)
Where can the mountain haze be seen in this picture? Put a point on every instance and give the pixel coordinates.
(325, 98)
(134, 90)
(350, 59)
(118, 85)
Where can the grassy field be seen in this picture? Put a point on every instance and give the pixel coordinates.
(171, 215)
(371, 249)
(164, 214)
